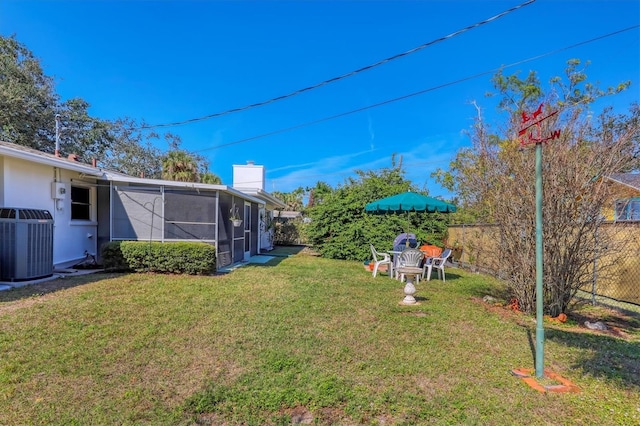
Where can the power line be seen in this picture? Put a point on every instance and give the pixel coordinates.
(421, 92)
(341, 77)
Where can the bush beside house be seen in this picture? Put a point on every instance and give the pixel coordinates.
(175, 258)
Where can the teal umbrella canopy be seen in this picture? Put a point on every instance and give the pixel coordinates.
(409, 202)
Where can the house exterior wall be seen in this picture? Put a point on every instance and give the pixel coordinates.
(28, 185)
(73, 237)
(618, 192)
(2, 181)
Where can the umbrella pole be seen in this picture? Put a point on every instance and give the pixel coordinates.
(406, 243)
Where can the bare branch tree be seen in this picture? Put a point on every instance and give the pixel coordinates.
(496, 178)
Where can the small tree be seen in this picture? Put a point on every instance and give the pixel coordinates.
(495, 178)
(132, 151)
(293, 199)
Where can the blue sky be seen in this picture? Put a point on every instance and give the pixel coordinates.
(169, 61)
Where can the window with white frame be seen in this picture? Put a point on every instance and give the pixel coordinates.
(80, 203)
(628, 209)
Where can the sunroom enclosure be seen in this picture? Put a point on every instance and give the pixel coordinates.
(164, 213)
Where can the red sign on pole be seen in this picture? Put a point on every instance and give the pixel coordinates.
(530, 133)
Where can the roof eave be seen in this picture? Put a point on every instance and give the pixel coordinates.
(50, 161)
(116, 177)
(621, 182)
(269, 199)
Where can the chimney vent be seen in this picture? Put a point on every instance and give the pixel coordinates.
(248, 176)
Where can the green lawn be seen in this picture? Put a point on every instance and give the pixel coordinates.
(299, 340)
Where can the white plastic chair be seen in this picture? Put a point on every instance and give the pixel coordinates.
(381, 259)
(436, 263)
(410, 257)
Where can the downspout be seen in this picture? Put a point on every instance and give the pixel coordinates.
(163, 216)
(110, 211)
(216, 235)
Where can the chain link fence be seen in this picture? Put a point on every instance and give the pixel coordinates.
(616, 273)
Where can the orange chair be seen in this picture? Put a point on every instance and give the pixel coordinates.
(431, 251)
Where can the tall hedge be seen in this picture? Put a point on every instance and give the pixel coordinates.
(341, 229)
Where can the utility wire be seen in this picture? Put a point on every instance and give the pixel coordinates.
(341, 77)
(421, 92)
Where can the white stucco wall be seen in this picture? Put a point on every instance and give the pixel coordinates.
(28, 185)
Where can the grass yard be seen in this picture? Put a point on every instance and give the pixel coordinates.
(300, 340)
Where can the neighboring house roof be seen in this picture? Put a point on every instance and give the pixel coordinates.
(631, 180)
(271, 201)
(287, 214)
(39, 157)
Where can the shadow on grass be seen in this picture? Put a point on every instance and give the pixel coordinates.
(278, 254)
(603, 356)
(26, 291)
(285, 251)
(450, 276)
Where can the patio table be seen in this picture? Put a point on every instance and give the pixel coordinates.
(394, 255)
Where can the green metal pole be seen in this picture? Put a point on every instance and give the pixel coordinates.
(539, 289)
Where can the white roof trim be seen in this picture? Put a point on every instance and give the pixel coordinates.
(116, 177)
(28, 154)
(264, 195)
(623, 183)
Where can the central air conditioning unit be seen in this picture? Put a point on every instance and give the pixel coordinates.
(26, 244)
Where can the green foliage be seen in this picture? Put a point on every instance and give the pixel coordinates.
(87, 137)
(341, 229)
(211, 178)
(318, 193)
(27, 98)
(180, 166)
(184, 166)
(132, 151)
(112, 258)
(175, 258)
(288, 231)
(293, 199)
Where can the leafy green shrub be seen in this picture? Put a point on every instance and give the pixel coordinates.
(339, 227)
(176, 258)
(112, 258)
(289, 231)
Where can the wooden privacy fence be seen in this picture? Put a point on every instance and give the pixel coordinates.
(477, 247)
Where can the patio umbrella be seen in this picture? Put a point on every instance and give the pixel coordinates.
(409, 202)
